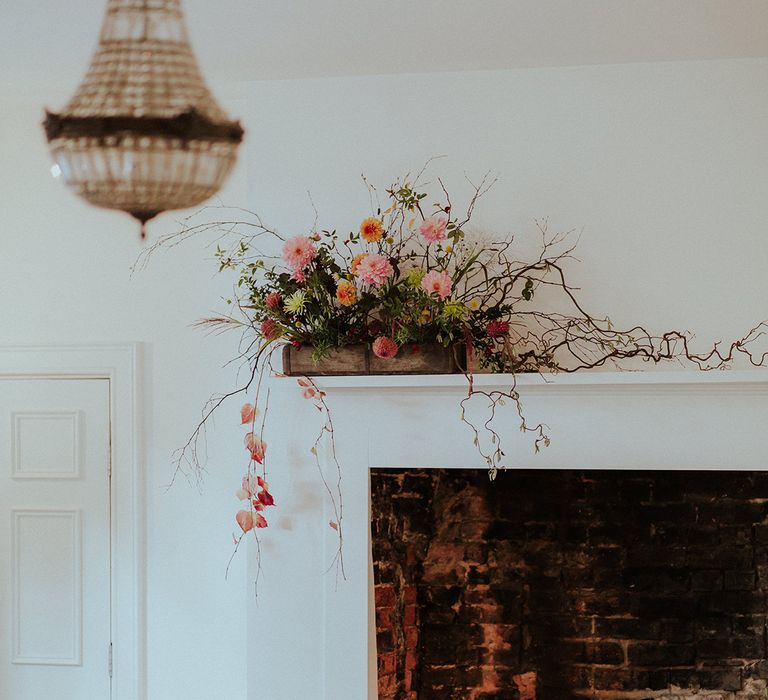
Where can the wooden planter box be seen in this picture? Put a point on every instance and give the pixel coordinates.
(360, 360)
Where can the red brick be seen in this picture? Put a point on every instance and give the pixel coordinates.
(409, 618)
(410, 593)
(572, 573)
(387, 687)
(385, 596)
(410, 555)
(526, 685)
(387, 663)
(411, 660)
(384, 618)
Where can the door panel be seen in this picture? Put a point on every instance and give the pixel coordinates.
(54, 539)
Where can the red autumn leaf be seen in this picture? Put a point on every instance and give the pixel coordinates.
(247, 413)
(262, 483)
(334, 524)
(244, 520)
(259, 520)
(257, 504)
(266, 498)
(256, 447)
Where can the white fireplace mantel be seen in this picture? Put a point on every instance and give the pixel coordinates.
(309, 634)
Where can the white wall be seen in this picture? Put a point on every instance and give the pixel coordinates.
(663, 166)
(64, 278)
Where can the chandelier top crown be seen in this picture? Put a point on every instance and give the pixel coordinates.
(144, 66)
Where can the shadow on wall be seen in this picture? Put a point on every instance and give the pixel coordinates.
(550, 585)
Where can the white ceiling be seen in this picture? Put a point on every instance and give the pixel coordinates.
(51, 41)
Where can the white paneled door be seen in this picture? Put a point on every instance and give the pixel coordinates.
(55, 539)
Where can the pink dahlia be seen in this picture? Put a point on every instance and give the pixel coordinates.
(497, 328)
(273, 300)
(433, 228)
(374, 269)
(384, 347)
(298, 252)
(437, 283)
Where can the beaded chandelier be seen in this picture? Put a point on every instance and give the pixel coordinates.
(142, 133)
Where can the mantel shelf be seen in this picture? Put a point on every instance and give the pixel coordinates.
(689, 378)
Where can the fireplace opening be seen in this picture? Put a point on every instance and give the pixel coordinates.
(551, 585)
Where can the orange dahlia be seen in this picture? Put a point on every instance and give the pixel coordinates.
(356, 262)
(346, 294)
(372, 229)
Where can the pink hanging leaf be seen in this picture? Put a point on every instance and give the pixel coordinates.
(250, 485)
(247, 413)
(244, 520)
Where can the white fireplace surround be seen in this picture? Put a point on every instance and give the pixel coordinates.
(311, 636)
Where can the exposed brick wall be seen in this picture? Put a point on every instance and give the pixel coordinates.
(558, 584)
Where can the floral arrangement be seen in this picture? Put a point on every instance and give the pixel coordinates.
(405, 278)
(414, 274)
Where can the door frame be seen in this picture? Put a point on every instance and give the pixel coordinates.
(120, 365)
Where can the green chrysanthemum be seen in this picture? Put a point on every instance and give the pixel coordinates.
(294, 304)
(414, 277)
(454, 309)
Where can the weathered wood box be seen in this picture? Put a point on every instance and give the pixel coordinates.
(360, 360)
